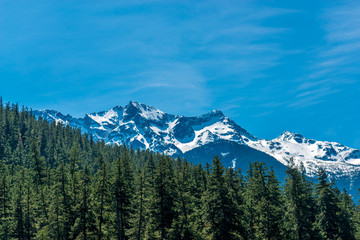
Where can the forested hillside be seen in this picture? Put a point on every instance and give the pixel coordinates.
(56, 183)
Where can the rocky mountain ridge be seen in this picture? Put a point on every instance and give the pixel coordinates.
(142, 126)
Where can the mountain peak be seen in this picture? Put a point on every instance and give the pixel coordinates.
(290, 136)
(142, 126)
(145, 111)
(138, 105)
(213, 113)
(117, 108)
(217, 112)
(287, 134)
(135, 104)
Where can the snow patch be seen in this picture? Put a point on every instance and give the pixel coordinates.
(225, 154)
(156, 131)
(234, 163)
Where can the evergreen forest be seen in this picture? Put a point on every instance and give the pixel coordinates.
(57, 183)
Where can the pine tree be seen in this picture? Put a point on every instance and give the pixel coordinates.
(102, 199)
(149, 185)
(61, 212)
(38, 165)
(275, 210)
(85, 225)
(235, 185)
(327, 218)
(356, 218)
(30, 230)
(138, 218)
(19, 228)
(4, 201)
(347, 208)
(264, 203)
(197, 190)
(41, 188)
(162, 200)
(123, 195)
(51, 188)
(220, 212)
(184, 208)
(300, 205)
(73, 179)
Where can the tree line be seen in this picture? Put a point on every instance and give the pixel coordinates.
(56, 183)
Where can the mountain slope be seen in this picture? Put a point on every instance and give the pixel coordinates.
(146, 127)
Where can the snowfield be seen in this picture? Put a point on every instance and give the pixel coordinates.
(146, 127)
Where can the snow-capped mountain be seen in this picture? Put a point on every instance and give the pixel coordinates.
(336, 158)
(200, 138)
(146, 127)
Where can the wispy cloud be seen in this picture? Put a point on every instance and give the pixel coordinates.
(160, 52)
(191, 50)
(335, 66)
(313, 97)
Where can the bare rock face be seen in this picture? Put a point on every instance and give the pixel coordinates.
(200, 138)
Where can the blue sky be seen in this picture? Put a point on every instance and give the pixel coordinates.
(269, 65)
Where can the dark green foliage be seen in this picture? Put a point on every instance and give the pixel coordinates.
(123, 195)
(84, 227)
(184, 208)
(138, 218)
(102, 199)
(220, 211)
(300, 207)
(333, 220)
(264, 203)
(18, 225)
(56, 183)
(4, 201)
(347, 208)
(162, 201)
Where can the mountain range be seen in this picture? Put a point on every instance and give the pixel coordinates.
(200, 138)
